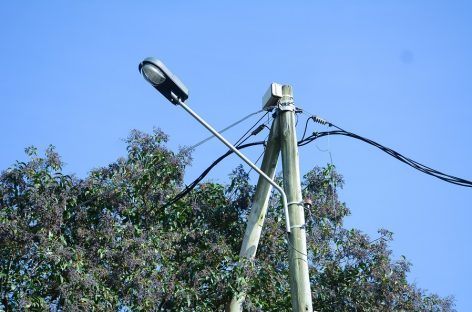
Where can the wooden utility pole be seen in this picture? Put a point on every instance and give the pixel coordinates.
(298, 262)
(282, 138)
(259, 207)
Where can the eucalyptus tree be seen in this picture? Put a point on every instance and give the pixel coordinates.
(109, 242)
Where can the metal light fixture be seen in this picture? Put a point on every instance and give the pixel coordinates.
(162, 79)
(158, 75)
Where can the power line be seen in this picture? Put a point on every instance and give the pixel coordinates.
(316, 135)
(192, 185)
(229, 127)
(239, 145)
(255, 132)
(406, 160)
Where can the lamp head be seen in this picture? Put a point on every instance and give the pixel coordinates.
(162, 79)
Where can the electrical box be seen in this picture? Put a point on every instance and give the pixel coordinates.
(272, 96)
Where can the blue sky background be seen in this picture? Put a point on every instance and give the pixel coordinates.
(398, 72)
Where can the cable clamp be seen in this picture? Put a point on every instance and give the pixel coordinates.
(288, 108)
(301, 226)
(299, 203)
(286, 105)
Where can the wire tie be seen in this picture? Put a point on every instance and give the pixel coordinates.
(299, 203)
(301, 226)
(286, 105)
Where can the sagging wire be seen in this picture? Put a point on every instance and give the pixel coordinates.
(239, 145)
(241, 140)
(406, 160)
(260, 156)
(332, 180)
(229, 127)
(192, 185)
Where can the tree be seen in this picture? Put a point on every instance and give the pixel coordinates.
(109, 242)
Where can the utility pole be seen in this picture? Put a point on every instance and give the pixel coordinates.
(298, 262)
(259, 207)
(160, 77)
(283, 138)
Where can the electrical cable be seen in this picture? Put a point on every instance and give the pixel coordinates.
(257, 160)
(192, 185)
(228, 127)
(406, 160)
(239, 145)
(241, 141)
(316, 135)
(295, 249)
(317, 120)
(306, 127)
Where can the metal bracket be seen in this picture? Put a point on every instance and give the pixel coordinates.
(301, 226)
(286, 106)
(298, 203)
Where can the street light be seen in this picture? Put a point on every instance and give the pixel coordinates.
(162, 79)
(157, 74)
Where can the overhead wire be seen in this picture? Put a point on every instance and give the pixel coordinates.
(406, 160)
(316, 135)
(307, 140)
(192, 185)
(255, 132)
(228, 127)
(239, 145)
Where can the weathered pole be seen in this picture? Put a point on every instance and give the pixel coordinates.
(259, 207)
(298, 262)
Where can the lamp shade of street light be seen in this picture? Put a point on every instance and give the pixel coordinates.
(152, 74)
(161, 78)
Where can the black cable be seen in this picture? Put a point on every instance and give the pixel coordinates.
(317, 120)
(241, 141)
(306, 126)
(192, 185)
(316, 135)
(223, 130)
(408, 161)
(238, 145)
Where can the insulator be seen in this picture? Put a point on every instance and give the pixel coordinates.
(258, 129)
(319, 120)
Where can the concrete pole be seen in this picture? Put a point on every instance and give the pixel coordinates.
(298, 262)
(259, 207)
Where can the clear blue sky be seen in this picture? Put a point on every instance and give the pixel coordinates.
(398, 72)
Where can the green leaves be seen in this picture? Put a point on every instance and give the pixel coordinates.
(105, 244)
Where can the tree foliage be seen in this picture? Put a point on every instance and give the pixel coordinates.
(105, 243)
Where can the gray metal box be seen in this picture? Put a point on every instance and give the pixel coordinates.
(272, 95)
